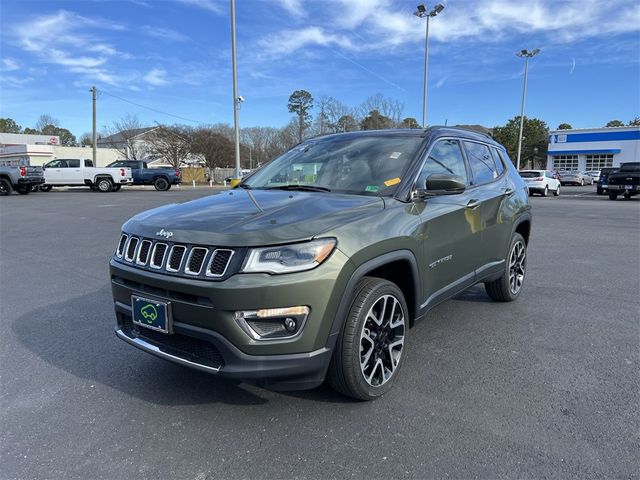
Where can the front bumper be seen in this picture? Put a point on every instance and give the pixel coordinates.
(207, 337)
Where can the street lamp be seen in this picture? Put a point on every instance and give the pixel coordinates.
(421, 12)
(237, 99)
(527, 55)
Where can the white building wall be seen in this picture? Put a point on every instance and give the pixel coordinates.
(621, 142)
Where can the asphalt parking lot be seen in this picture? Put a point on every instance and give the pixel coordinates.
(545, 387)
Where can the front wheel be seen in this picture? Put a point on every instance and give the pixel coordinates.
(582, 182)
(161, 184)
(557, 192)
(5, 187)
(508, 287)
(370, 347)
(104, 185)
(613, 195)
(23, 189)
(599, 191)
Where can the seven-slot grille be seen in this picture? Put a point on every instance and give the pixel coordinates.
(174, 258)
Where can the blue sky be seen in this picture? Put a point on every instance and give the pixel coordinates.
(175, 56)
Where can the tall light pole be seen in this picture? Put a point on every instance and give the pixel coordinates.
(527, 55)
(94, 135)
(421, 12)
(236, 98)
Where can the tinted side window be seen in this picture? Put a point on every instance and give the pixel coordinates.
(498, 161)
(73, 163)
(481, 162)
(445, 157)
(88, 163)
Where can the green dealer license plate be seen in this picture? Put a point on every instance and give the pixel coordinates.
(152, 314)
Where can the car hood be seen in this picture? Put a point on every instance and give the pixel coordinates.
(251, 218)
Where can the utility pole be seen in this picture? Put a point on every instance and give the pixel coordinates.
(94, 136)
(236, 98)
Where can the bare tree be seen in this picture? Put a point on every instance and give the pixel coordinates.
(171, 143)
(124, 137)
(217, 150)
(389, 107)
(85, 139)
(45, 120)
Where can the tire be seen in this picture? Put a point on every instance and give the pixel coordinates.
(45, 188)
(5, 187)
(116, 188)
(545, 192)
(161, 184)
(23, 189)
(509, 286)
(557, 192)
(627, 196)
(599, 191)
(613, 195)
(104, 185)
(582, 182)
(368, 354)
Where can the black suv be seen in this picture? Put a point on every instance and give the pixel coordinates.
(317, 264)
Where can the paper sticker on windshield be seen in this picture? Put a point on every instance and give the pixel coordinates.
(372, 188)
(393, 181)
(395, 155)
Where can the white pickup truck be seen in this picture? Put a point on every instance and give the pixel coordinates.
(71, 172)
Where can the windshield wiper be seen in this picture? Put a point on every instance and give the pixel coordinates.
(302, 188)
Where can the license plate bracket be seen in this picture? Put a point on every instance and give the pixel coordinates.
(151, 313)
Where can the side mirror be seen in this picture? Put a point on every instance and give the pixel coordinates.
(442, 184)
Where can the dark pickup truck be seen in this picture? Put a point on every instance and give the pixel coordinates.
(161, 178)
(19, 178)
(625, 181)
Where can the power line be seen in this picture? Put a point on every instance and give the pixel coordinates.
(150, 108)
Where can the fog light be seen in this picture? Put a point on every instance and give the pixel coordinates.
(273, 323)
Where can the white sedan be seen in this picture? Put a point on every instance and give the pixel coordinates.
(541, 181)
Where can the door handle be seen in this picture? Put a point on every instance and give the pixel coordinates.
(473, 204)
(508, 191)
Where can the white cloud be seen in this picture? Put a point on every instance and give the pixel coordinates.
(294, 7)
(156, 77)
(289, 41)
(163, 33)
(214, 6)
(9, 65)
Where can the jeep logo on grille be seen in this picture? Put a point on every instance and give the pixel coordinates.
(164, 233)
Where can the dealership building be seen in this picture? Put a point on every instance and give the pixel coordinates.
(593, 148)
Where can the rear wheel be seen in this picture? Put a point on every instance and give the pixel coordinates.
(545, 192)
(370, 347)
(45, 188)
(104, 185)
(599, 191)
(508, 287)
(613, 195)
(5, 187)
(161, 184)
(627, 196)
(557, 192)
(23, 189)
(582, 182)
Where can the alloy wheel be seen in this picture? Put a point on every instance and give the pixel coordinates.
(517, 266)
(382, 340)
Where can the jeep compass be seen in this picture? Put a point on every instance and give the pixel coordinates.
(316, 265)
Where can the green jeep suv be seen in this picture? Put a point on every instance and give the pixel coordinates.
(318, 263)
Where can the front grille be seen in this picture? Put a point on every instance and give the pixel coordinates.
(143, 253)
(195, 260)
(219, 262)
(174, 258)
(121, 244)
(184, 346)
(159, 251)
(131, 249)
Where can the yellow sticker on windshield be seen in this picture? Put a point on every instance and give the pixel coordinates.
(393, 181)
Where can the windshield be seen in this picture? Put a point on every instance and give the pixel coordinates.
(372, 165)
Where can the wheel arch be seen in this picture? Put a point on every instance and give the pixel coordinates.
(399, 267)
(523, 227)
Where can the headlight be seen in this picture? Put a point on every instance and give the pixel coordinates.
(289, 258)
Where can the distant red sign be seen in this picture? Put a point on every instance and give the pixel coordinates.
(53, 140)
